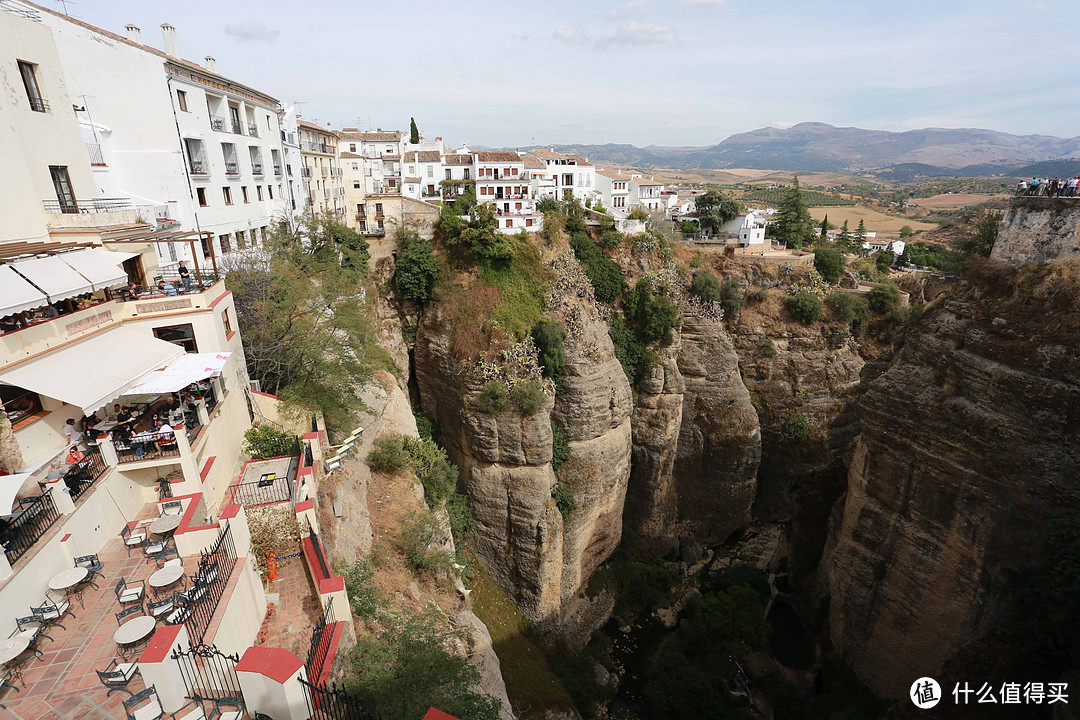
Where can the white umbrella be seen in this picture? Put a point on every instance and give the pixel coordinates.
(10, 485)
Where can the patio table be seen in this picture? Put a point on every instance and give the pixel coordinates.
(165, 524)
(12, 648)
(166, 576)
(128, 635)
(68, 579)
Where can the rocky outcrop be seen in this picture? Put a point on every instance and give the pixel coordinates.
(968, 446)
(719, 441)
(1038, 230)
(792, 370)
(542, 562)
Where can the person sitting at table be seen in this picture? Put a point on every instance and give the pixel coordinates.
(71, 432)
(133, 290)
(74, 456)
(166, 288)
(19, 406)
(49, 312)
(166, 437)
(121, 434)
(123, 415)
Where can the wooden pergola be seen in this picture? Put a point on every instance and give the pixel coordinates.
(167, 236)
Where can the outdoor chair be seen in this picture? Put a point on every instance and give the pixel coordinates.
(163, 607)
(182, 609)
(6, 683)
(125, 614)
(163, 558)
(152, 548)
(54, 609)
(194, 710)
(173, 507)
(229, 708)
(117, 676)
(129, 592)
(93, 564)
(31, 627)
(207, 575)
(144, 705)
(132, 538)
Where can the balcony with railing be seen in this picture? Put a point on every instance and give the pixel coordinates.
(199, 166)
(93, 151)
(305, 172)
(257, 168)
(40, 105)
(217, 123)
(232, 168)
(253, 130)
(94, 205)
(237, 128)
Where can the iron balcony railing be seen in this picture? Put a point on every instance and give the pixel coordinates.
(40, 105)
(84, 473)
(256, 168)
(277, 170)
(36, 514)
(232, 168)
(305, 172)
(214, 569)
(253, 130)
(237, 128)
(147, 446)
(20, 10)
(217, 123)
(200, 167)
(321, 636)
(93, 151)
(96, 205)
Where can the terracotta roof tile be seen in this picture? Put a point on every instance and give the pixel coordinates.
(498, 156)
(457, 159)
(423, 156)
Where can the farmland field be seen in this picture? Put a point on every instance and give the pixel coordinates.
(954, 201)
(875, 221)
(774, 195)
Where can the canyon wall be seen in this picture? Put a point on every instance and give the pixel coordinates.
(968, 446)
(1038, 230)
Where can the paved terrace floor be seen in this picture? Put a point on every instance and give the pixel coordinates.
(63, 683)
(296, 608)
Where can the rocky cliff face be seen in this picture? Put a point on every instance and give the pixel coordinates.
(542, 562)
(792, 370)
(968, 445)
(1038, 230)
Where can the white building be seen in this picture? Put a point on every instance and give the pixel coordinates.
(457, 173)
(646, 193)
(614, 190)
(573, 176)
(382, 153)
(321, 172)
(295, 183)
(185, 144)
(423, 171)
(749, 227)
(503, 181)
(874, 244)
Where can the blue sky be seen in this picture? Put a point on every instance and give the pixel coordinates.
(665, 72)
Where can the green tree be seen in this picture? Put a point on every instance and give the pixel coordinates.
(804, 306)
(549, 336)
(883, 298)
(611, 239)
(414, 134)
(705, 286)
(689, 227)
(982, 234)
(860, 232)
(825, 227)
(603, 272)
(793, 224)
(830, 263)
(653, 316)
(906, 231)
(884, 260)
(843, 238)
(412, 654)
(416, 269)
(731, 298)
(307, 331)
(714, 209)
(851, 309)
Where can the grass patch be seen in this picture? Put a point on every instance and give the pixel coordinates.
(532, 687)
(522, 282)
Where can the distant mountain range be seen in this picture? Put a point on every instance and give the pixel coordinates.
(817, 147)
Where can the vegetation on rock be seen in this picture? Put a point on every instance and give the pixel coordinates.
(804, 306)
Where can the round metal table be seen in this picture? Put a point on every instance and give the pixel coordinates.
(165, 524)
(135, 630)
(12, 648)
(166, 576)
(68, 579)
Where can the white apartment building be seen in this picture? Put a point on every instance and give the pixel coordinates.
(503, 181)
(353, 179)
(295, 183)
(457, 174)
(423, 171)
(574, 176)
(647, 194)
(382, 153)
(321, 171)
(182, 143)
(614, 190)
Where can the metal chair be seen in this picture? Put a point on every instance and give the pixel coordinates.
(93, 564)
(162, 608)
(32, 627)
(182, 610)
(132, 538)
(152, 548)
(117, 676)
(128, 612)
(173, 507)
(144, 705)
(194, 710)
(162, 558)
(129, 592)
(53, 609)
(235, 703)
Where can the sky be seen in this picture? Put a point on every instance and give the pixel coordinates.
(645, 72)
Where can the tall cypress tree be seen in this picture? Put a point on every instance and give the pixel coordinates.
(793, 222)
(825, 227)
(414, 134)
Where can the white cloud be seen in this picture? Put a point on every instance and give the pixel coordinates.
(251, 30)
(570, 34)
(635, 33)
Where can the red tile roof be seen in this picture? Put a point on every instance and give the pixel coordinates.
(457, 159)
(498, 156)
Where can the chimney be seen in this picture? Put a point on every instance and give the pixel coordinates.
(168, 35)
(133, 33)
(211, 63)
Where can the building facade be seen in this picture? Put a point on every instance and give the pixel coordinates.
(321, 172)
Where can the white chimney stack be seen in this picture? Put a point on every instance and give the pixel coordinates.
(168, 35)
(133, 33)
(211, 63)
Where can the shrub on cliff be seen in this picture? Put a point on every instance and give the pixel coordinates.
(850, 309)
(653, 316)
(731, 298)
(796, 429)
(883, 298)
(830, 263)
(564, 500)
(360, 584)
(804, 306)
(628, 350)
(560, 447)
(388, 454)
(611, 239)
(705, 286)
(549, 336)
(416, 269)
(530, 396)
(603, 272)
(492, 398)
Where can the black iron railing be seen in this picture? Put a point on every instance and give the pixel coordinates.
(40, 105)
(237, 127)
(332, 702)
(232, 168)
(199, 167)
(208, 585)
(147, 446)
(264, 490)
(317, 546)
(208, 673)
(321, 636)
(82, 474)
(256, 168)
(253, 130)
(95, 205)
(217, 123)
(35, 515)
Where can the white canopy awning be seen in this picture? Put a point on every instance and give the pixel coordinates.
(95, 371)
(97, 266)
(180, 373)
(16, 294)
(55, 277)
(9, 489)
